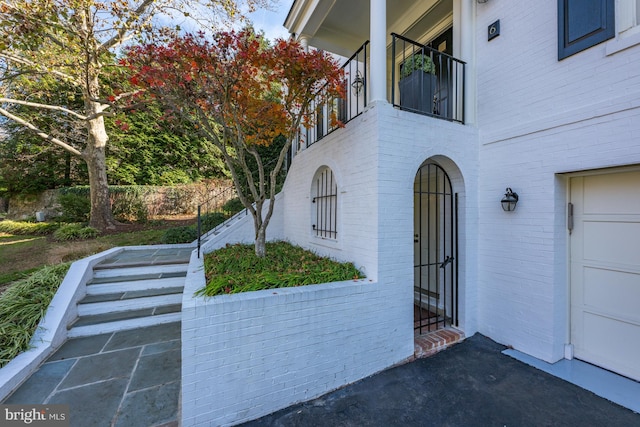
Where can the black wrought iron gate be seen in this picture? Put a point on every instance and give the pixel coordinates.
(435, 249)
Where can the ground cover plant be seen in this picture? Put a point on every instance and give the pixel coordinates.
(24, 227)
(22, 254)
(23, 305)
(237, 268)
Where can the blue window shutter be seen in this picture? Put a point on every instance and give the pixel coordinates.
(584, 23)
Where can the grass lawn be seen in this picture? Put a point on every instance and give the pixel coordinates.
(21, 255)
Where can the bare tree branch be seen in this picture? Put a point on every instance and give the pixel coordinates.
(44, 106)
(40, 133)
(36, 67)
(121, 34)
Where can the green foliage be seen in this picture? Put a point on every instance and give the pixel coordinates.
(28, 164)
(129, 206)
(146, 149)
(185, 234)
(75, 208)
(189, 233)
(211, 220)
(75, 231)
(23, 305)
(232, 207)
(419, 61)
(236, 269)
(25, 228)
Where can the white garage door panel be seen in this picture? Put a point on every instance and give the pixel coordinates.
(612, 242)
(605, 271)
(612, 194)
(614, 292)
(606, 349)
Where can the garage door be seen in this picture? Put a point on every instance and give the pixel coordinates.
(605, 271)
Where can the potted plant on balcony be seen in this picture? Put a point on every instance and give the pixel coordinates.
(417, 83)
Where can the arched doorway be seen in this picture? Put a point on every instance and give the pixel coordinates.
(435, 249)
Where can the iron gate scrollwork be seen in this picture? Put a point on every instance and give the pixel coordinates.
(435, 250)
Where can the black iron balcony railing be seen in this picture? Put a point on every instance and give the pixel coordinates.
(345, 109)
(426, 81)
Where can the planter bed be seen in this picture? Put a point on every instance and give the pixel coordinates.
(249, 354)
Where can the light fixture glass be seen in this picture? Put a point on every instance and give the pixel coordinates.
(509, 201)
(358, 83)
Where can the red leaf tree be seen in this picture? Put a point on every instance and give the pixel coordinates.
(241, 93)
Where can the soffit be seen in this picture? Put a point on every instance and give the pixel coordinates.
(341, 26)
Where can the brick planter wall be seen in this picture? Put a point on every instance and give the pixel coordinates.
(247, 355)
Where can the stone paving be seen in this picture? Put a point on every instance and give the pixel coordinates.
(128, 378)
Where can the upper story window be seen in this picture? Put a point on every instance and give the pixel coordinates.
(324, 209)
(583, 24)
(627, 26)
(628, 15)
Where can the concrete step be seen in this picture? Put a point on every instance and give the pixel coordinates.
(138, 273)
(134, 285)
(123, 325)
(121, 306)
(128, 293)
(135, 264)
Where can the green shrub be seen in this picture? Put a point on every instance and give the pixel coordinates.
(129, 206)
(23, 305)
(75, 231)
(186, 234)
(75, 208)
(236, 268)
(233, 206)
(209, 221)
(22, 227)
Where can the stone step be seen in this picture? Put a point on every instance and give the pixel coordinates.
(139, 273)
(134, 285)
(123, 325)
(115, 296)
(136, 264)
(121, 306)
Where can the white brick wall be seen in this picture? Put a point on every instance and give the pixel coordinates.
(540, 118)
(237, 365)
(375, 159)
(250, 354)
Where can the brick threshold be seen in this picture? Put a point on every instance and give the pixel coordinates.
(430, 343)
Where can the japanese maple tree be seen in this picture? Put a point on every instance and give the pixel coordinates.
(241, 93)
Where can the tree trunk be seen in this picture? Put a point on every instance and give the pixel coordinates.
(261, 242)
(101, 214)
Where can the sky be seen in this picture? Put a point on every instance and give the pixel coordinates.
(271, 21)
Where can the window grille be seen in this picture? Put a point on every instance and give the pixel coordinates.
(325, 205)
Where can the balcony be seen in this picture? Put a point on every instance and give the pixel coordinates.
(345, 110)
(422, 80)
(426, 81)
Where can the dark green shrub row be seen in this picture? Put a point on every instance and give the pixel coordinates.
(189, 233)
(232, 207)
(23, 227)
(128, 206)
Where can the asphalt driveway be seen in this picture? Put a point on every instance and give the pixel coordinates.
(470, 384)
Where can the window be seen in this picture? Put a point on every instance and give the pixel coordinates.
(324, 207)
(628, 15)
(583, 24)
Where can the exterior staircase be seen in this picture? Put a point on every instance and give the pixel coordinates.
(131, 290)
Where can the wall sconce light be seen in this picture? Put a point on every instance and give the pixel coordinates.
(358, 83)
(509, 201)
